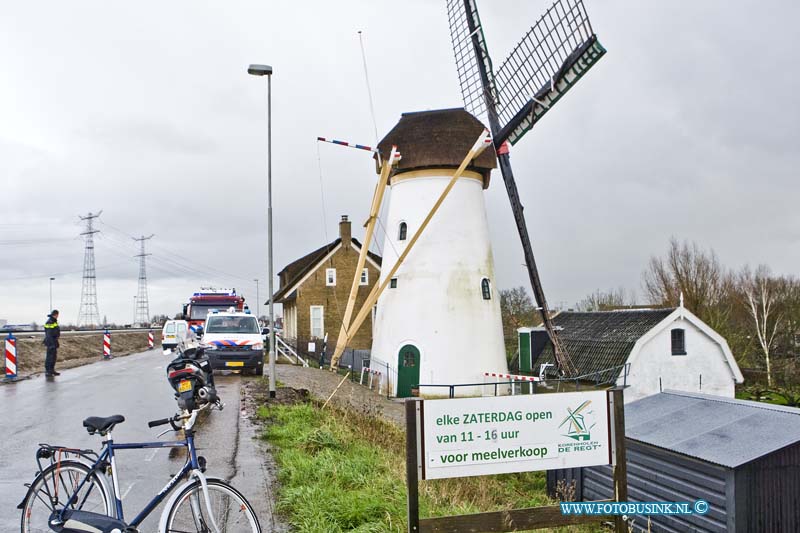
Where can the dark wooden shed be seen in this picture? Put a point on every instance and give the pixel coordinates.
(742, 457)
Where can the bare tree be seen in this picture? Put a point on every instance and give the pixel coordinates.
(695, 273)
(605, 300)
(762, 299)
(517, 310)
(789, 287)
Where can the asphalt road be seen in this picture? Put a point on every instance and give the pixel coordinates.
(52, 411)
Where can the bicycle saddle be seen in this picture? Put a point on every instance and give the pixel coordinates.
(102, 425)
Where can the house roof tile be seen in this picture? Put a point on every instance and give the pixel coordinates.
(296, 270)
(597, 341)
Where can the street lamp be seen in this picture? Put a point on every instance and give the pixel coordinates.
(51, 293)
(266, 70)
(258, 300)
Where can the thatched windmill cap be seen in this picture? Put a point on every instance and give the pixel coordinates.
(438, 139)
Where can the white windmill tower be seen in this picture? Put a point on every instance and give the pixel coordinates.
(438, 321)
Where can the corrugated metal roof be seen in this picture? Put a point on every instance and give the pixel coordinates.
(723, 431)
(601, 340)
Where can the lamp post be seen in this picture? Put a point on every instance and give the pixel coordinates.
(266, 70)
(258, 300)
(51, 293)
(133, 324)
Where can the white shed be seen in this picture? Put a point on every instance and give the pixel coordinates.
(663, 348)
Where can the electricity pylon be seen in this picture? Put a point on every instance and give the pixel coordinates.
(89, 315)
(142, 315)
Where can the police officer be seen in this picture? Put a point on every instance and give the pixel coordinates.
(51, 334)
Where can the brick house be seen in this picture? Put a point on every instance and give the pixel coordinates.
(314, 291)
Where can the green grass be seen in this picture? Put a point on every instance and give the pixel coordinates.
(346, 472)
(779, 396)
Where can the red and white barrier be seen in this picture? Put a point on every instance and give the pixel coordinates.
(374, 375)
(150, 340)
(106, 345)
(11, 357)
(513, 377)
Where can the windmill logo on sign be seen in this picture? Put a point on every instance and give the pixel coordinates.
(578, 427)
(546, 63)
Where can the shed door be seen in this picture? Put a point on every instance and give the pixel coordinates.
(407, 370)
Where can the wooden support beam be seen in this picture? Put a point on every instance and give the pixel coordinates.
(481, 144)
(377, 199)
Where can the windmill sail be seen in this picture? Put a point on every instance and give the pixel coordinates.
(554, 54)
(545, 64)
(463, 17)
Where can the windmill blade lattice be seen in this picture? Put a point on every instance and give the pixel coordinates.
(550, 58)
(462, 16)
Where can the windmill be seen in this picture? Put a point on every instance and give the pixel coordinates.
(548, 61)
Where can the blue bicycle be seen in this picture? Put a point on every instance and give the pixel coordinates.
(70, 493)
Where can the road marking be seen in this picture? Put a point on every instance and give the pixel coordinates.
(159, 367)
(124, 494)
(152, 455)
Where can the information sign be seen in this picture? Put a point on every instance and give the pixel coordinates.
(497, 435)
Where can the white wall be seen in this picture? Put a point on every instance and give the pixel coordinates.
(704, 356)
(437, 305)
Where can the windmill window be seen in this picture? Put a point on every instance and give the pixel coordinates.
(486, 289)
(330, 277)
(364, 277)
(408, 359)
(678, 342)
(402, 232)
(393, 283)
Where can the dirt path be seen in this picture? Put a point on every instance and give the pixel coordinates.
(321, 383)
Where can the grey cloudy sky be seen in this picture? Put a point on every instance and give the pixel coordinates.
(688, 127)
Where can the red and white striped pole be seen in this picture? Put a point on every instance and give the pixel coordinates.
(11, 356)
(106, 345)
(150, 341)
(359, 147)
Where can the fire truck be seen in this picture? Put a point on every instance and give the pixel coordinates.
(207, 299)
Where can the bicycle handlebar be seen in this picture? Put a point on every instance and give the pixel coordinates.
(185, 416)
(161, 422)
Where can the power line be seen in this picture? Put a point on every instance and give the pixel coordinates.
(67, 273)
(187, 265)
(25, 242)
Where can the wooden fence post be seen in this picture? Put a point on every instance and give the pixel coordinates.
(412, 460)
(621, 465)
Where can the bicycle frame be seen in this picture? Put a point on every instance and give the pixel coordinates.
(107, 456)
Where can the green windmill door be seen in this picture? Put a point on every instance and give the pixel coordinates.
(407, 370)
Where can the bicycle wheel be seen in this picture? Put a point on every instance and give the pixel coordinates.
(229, 509)
(58, 483)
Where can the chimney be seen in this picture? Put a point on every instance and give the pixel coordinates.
(344, 231)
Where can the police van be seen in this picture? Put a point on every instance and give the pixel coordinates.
(232, 341)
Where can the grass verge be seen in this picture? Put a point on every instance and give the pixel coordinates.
(344, 471)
